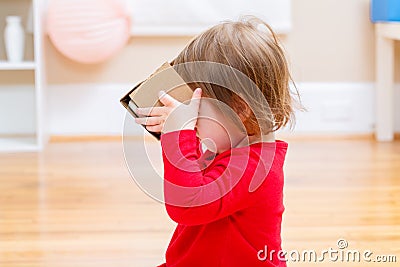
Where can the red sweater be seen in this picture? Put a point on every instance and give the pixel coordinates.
(228, 206)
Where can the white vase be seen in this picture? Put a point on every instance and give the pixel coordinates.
(14, 38)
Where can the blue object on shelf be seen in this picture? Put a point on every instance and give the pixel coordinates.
(385, 10)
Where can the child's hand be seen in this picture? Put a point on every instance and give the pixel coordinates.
(172, 116)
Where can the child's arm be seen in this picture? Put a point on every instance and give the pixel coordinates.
(192, 197)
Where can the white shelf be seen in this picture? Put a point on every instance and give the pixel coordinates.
(18, 144)
(31, 137)
(26, 65)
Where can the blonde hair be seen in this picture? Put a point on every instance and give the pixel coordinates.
(251, 47)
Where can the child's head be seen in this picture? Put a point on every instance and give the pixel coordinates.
(251, 47)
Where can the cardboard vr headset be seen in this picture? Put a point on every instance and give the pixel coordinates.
(145, 93)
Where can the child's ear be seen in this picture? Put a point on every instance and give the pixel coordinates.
(241, 108)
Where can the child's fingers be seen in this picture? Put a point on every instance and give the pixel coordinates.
(149, 120)
(155, 128)
(195, 102)
(167, 100)
(151, 111)
(197, 94)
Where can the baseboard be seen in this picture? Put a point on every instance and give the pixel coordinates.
(98, 138)
(84, 138)
(281, 136)
(292, 137)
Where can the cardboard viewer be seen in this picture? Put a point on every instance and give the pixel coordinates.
(145, 93)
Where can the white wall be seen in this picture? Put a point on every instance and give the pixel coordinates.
(330, 48)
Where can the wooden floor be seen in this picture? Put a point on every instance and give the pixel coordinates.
(76, 205)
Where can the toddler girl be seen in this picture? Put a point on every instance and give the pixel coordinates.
(223, 168)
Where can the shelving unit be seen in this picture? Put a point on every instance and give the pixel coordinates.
(26, 65)
(21, 104)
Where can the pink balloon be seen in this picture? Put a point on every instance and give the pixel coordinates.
(88, 31)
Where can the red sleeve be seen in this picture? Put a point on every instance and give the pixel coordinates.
(198, 196)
